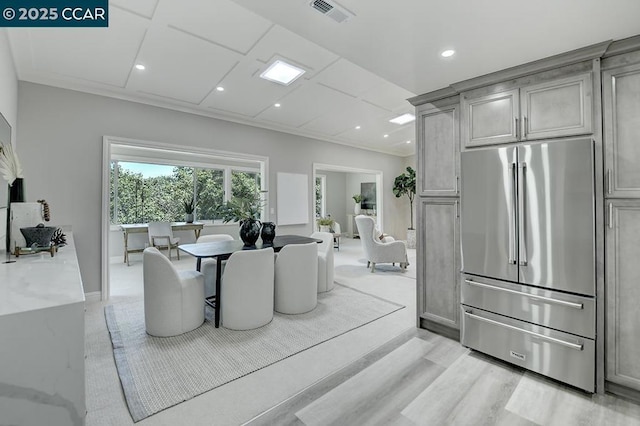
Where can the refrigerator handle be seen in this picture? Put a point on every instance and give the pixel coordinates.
(522, 252)
(512, 214)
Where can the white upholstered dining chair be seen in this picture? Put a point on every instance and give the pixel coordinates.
(296, 279)
(161, 235)
(325, 261)
(246, 301)
(208, 266)
(173, 300)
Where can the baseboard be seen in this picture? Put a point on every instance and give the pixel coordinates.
(443, 330)
(623, 391)
(93, 296)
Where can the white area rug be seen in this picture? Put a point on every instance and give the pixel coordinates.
(157, 373)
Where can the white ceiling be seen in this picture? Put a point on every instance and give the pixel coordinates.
(358, 73)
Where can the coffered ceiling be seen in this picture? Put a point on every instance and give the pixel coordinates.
(358, 73)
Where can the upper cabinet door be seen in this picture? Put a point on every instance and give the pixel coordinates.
(621, 99)
(491, 119)
(438, 151)
(557, 108)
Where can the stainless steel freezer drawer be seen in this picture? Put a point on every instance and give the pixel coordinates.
(561, 311)
(561, 356)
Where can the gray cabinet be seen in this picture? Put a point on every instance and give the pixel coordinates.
(439, 265)
(438, 148)
(490, 119)
(621, 108)
(623, 293)
(556, 108)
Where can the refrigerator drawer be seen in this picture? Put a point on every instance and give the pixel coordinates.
(560, 311)
(561, 356)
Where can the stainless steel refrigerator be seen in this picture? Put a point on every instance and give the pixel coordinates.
(528, 257)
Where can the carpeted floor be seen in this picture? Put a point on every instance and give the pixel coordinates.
(157, 373)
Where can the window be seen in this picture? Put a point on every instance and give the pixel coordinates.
(209, 192)
(244, 184)
(141, 192)
(321, 188)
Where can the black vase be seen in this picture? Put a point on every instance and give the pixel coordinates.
(268, 232)
(16, 191)
(249, 231)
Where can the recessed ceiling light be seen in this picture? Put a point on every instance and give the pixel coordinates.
(447, 53)
(385, 136)
(220, 89)
(276, 105)
(408, 141)
(403, 119)
(357, 127)
(282, 73)
(140, 67)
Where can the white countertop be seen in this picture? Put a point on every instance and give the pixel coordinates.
(38, 281)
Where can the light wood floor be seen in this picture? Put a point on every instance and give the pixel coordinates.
(421, 378)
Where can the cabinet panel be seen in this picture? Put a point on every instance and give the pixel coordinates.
(623, 292)
(621, 99)
(491, 119)
(439, 264)
(438, 151)
(557, 108)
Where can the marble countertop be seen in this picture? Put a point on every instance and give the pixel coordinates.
(39, 281)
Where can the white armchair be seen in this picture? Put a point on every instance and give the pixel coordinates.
(247, 290)
(173, 301)
(208, 266)
(296, 279)
(337, 232)
(377, 251)
(325, 261)
(161, 235)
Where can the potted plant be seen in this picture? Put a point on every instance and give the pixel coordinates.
(358, 199)
(325, 224)
(405, 184)
(245, 211)
(189, 207)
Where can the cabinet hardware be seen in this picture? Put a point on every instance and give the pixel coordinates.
(524, 131)
(545, 299)
(517, 129)
(457, 209)
(571, 345)
(608, 181)
(457, 188)
(610, 219)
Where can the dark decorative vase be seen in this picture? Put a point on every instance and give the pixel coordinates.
(16, 191)
(249, 231)
(16, 195)
(268, 233)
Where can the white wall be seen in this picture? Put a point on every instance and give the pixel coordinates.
(353, 186)
(9, 109)
(336, 189)
(409, 161)
(60, 146)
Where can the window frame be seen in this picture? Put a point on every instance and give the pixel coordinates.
(166, 159)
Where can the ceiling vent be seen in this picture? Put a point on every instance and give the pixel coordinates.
(332, 10)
